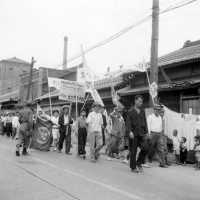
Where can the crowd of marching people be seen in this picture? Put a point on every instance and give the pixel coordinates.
(102, 130)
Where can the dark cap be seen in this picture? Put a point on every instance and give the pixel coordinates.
(96, 104)
(83, 110)
(157, 107)
(28, 104)
(56, 111)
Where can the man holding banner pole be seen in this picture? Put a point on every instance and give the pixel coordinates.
(65, 121)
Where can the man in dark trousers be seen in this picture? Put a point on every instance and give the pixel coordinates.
(65, 121)
(136, 125)
(102, 109)
(25, 130)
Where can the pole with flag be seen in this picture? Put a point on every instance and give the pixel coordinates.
(49, 90)
(144, 66)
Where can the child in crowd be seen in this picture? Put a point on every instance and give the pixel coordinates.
(81, 133)
(95, 123)
(183, 151)
(176, 147)
(55, 129)
(197, 151)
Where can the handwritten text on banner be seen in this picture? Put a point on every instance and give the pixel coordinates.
(68, 91)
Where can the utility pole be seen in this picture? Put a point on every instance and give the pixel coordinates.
(154, 48)
(30, 78)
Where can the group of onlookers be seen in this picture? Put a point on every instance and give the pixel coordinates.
(9, 124)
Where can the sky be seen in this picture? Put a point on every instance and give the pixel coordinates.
(37, 28)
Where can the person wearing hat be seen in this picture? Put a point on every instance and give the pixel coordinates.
(64, 121)
(55, 129)
(162, 113)
(25, 129)
(155, 127)
(117, 134)
(81, 132)
(95, 123)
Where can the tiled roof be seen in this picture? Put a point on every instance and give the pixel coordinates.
(16, 60)
(190, 51)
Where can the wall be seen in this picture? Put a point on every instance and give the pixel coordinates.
(10, 79)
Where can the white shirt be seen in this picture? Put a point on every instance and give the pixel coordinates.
(95, 121)
(154, 123)
(15, 122)
(66, 119)
(55, 121)
(176, 144)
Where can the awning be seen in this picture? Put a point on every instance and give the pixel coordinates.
(181, 84)
(6, 97)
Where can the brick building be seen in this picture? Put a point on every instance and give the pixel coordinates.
(10, 72)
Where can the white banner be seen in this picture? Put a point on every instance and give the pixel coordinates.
(96, 97)
(68, 91)
(86, 74)
(54, 82)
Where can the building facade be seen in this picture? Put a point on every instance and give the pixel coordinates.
(10, 72)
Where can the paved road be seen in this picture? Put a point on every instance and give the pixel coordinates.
(49, 175)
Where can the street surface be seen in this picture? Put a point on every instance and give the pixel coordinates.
(49, 175)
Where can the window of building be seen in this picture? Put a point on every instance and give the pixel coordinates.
(10, 71)
(9, 90)
(23, 72)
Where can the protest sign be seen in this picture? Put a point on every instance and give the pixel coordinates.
(68, 91)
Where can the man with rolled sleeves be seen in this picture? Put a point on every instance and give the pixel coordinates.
(155, 127)
(162, 113)
(25, 130)
(136, 126)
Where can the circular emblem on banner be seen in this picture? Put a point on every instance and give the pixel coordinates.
(43, 135)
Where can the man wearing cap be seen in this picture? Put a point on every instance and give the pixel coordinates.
(64, 122)
(117, 134)
(81, 132)
(162, 113)
(25, 130)
(95, 123)
(136, 125)
(155, 134)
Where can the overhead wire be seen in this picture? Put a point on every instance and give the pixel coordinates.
(180, 4)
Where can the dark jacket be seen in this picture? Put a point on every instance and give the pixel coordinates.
(62, 128)
(104, 121)
(136, 123)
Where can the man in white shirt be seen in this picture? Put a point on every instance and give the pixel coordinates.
(95, 124)
(154, 122)
(15, 125)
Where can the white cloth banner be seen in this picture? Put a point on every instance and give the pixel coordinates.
(86, 74)
(54, 82)
(68, 91)
(186, 127)
(96, 96)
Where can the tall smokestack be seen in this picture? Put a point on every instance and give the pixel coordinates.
(65, 53)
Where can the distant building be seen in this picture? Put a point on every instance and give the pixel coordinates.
(10, 71)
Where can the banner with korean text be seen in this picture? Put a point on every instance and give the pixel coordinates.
(68, 91)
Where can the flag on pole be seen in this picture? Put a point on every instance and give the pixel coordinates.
(42, 134)
(39, 109)
(115, 97)
(83, 58)
(54, 82)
